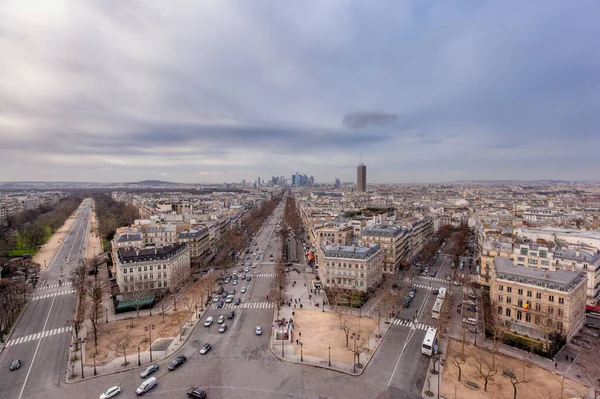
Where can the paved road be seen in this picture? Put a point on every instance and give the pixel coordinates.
(40, 339)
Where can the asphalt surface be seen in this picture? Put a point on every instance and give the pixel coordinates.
(241, 365)
(41, 338)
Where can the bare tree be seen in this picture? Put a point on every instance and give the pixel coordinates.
(335, 296)
(458, 361)
(121, 345)
(78, 279)
(485, 370)
(163, 308)
(94, 307)
(137, 296)
(346, 328)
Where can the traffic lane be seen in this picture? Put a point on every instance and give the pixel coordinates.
(260, 289)
(49, 366)
(379, 370)
(33, 318)
(410, 374)
(12, 381)
(61, 312)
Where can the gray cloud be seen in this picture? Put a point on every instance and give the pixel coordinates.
(233, 90)
(362, 120)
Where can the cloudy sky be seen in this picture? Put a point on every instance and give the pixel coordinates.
(214, 91)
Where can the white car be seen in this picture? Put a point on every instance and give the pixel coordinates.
(243, 290)
(112, 391)
(258, 330)
(208, 321)
(221, 319)
(216, 298)
(229, 299)
(234, 282)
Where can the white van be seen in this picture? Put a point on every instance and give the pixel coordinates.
(470, 320)
(146, 386)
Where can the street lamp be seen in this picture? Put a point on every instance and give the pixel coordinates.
(106, 314)
(149, 328)
(139, 361)
(301, 352)
(95, 364)
(330, 356)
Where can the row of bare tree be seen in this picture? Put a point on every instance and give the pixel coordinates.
(13, 297)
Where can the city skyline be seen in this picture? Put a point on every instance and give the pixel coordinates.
(222, 92)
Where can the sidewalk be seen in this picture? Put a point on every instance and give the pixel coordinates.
(289, 351)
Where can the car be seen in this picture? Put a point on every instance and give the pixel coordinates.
(205, 349)
(15, 364)
(471, 308)
(146, 386)
(196, 393)
(455, 282)
(260, 252)
(231, 315)
(246, 270)
(178, 361)
(151, 369)
(223, 328)
(254, 266)
(243, 290)
(224, 294)
(424, 274)
(406, 304)
(432, 274)
(241, 269)
(243, 276)
(227, 280)
(258, 330)
(220, 305)
(271, 255)
(235, 282)
(229, 299)
(436, 291)
(216, 298)
(411, 294)
(470, 302)
(208, 322)
(221, 319)
(111, 392)
(238, 301)
(249, 278)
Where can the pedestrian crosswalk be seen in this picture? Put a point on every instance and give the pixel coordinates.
(423, 286)
(44, 286)
(248, 305)
(411, 324)
(40, 335)
(264, 275)
(264, 263)
(441, 280)
(44, 296)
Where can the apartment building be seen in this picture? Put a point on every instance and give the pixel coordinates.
(335, 233)
(535, 302)
(490, 250)
(198, 242)
(152, 268)
(357, 267)
(394, 241)
(159, 233)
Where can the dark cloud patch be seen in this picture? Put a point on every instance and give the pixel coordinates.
(362, 120)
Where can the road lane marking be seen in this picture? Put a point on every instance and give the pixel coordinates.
(44, 296)
(36, 349)
(34, 336)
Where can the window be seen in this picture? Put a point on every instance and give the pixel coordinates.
(520, 303)
(164, 283)
(507, 312)
(543, 253)
(545, 263)
(560, 312)
(551, 298)
(550, 310)
(500, 310)
(500, 288)
(538, 295)
(549, 322)
(532, 261)
(519, 315)
(125, 270)
(559, 326)
(524, 250)
(561, 301)
(529, 294)
(521, 259)
(145, 268)
(139, 268)
(508, 299)
(150, 267)
(520, 291)
(528, 317)
(131, 270)
(508, 289)
(500, 299)
(131, 278)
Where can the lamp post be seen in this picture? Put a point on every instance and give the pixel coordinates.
(95, 364)
(330, 356)
(149, 328)
(106, 314)
(282, 353)
(139, 361)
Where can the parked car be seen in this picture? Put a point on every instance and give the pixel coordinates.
(221, 319)
(15, 364)
(151, 369)
(249, 278)
(216, 298)
(258, 330)
(178, 361)
(238, 301)
(208, 321)
(406, 304)
(231, 315)
(234, 282)
(232, 291)
(196, 393)
(471, 302)
(205, 349)
(223, 328)
(432, 274)
(111, 392)
(436, 291)
(224, 294)
(471, 308)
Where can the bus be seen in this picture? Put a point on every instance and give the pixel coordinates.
(442, 293)
(592, 320)
(437, 308)
(429, 341)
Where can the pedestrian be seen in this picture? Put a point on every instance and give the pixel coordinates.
(572, 359)
(566, 357)
(555, 365)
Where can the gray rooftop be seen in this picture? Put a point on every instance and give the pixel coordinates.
(350, 251)
(382, 230)
(130, 255)
(506, 270)
(193, 233)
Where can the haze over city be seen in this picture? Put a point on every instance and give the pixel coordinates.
(224, 91)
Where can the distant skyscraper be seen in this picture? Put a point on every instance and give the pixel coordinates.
(361, 177)
(337, 183)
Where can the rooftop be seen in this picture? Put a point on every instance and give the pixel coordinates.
(382, 230)
(129, 255)
(350, 251)
(506, 270)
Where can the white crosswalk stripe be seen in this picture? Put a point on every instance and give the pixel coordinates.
(248, 305)
(40, 335)
(44, 287)
(263, 263)
(264, 275)
(411, 324)
(423, 286)
(36, 297)
(441, 280)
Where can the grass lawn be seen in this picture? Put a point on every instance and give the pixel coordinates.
(20, 247)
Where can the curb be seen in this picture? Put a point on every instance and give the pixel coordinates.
(10, 333)
(67, 381)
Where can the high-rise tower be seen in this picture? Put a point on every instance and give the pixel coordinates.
(361, 177)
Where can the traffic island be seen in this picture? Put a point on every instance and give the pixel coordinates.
(340, 342)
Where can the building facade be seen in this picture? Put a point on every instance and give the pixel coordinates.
(152, 268)
(361, 178)
(350, 267)
(535, 302)
(394, 241)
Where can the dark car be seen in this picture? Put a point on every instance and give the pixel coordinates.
(15, 364)
(471, 308)
(406, 304)
(178, 361)
(432, 274)
(196, 393)
(224, 294)
(231, 315)
(151, 369)
(220, 304)
(237, 301)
